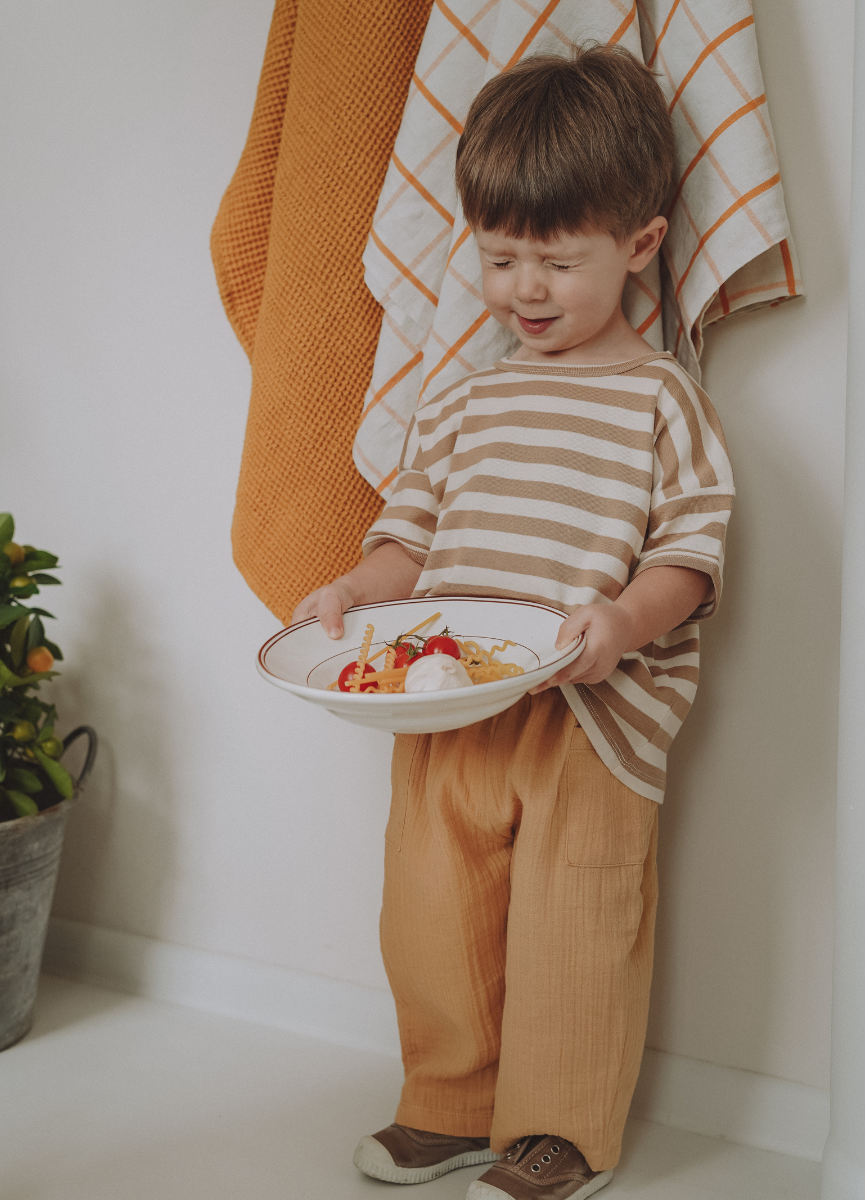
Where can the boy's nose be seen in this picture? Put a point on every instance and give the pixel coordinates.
(529, 286)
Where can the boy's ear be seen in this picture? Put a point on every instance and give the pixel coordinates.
(646, 242)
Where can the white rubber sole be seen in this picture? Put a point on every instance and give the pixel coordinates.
(485, 1191)
(373, 1159)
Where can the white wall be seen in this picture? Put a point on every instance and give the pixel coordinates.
(225, 816)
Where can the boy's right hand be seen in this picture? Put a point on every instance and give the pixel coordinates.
(328, 604)
(388, 573)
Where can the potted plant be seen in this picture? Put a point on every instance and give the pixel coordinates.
(36, 790)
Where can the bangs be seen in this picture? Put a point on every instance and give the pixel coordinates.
(556, 146)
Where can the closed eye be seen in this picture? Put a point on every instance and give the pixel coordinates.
(560, 266)
(505, 263)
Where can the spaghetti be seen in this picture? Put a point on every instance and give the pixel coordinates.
(481, 665)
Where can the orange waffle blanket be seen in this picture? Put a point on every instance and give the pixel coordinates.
(287, 246)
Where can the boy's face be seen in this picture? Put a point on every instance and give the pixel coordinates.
(564, 293)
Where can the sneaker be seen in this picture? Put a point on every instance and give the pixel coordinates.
(539, 1168)
(402, 1155)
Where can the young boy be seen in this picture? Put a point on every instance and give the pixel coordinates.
(587, 472)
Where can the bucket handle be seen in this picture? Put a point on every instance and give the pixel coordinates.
(92, 746)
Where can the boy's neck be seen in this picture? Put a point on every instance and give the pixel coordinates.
(616, 342)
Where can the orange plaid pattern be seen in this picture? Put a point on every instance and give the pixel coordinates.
(728, 249)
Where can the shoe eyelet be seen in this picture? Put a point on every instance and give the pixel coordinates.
(555, 1149)
(535, 1167)
(546, 1158)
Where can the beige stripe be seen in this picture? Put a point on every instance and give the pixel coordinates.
(430, 424)
(679, 704)
(417, 517)
(469, 589)
(463, 542)
(692, 674)
(559, 423)
(553, 493)
(562, 460)
(634, 683)
(605, 721)
(461, 384)
(524, 565)
(700, 463)
(459, 483)
(690, 645)
(617, 703)
(715, 502)
(414, 550)
(643, 770)
(709, 413)
(669, 460)
(583, 393)
(713, 530)
(554, 531)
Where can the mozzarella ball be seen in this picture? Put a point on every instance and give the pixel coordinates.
(436, 673)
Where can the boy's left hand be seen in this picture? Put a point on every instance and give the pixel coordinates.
(608, 630)
(653, 603)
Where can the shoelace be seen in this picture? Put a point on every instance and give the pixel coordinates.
(523, 1148)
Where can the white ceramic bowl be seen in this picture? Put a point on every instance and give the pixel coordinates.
(304, 660)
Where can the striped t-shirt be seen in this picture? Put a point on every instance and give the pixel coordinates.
(559, 484)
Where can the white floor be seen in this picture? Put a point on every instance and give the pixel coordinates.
(112, 1097)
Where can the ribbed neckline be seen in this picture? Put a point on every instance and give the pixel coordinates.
(531, 368)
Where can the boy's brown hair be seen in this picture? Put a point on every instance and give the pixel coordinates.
(557, 145)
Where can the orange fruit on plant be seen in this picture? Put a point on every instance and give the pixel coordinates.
(24, 731)
(20, 581)
(14, 553)
(40, 658)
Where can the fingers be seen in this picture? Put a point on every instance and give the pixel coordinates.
(330, 610)
(573, 626)
(327, 604)
(304, 610)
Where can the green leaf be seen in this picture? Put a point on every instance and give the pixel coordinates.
(46, 731)
(8, 678)
(7, 528)
(24, 590)
(30, 680)
(45, 580)
(10, 613)
(35, 634)
(58, 774)
(18, 640)
(37, 560)
(22, 804)
(25, 780)
(42, 612)
(55, 650)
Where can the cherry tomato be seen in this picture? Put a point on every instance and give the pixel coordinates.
(442, 645)
(346, 675)
(405, 654)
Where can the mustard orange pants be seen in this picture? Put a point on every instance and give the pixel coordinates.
(517, 930)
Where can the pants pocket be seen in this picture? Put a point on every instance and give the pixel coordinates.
(608, 824)
(401, 771)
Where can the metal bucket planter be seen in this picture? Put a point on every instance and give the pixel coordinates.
(29, 860)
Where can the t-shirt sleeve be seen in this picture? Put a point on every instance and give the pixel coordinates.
(410, 515)
(692, 490)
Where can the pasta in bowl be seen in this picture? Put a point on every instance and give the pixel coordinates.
(507, 647)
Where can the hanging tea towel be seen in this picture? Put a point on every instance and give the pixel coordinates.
(728, 248)
(287, 246)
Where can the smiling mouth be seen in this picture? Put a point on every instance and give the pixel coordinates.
(539, 326)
